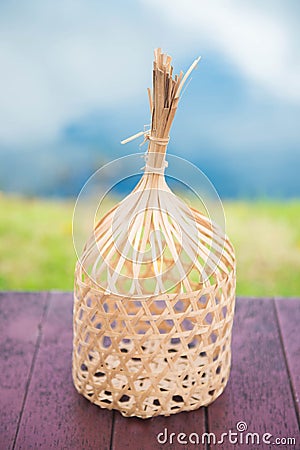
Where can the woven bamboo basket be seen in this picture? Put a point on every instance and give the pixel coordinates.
(154, 289)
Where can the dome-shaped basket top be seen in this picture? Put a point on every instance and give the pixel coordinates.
(152, 243)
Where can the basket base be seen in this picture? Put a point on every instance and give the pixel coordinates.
(191, 395)
(156, 356)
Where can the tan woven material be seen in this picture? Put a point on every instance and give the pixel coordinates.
(154, 290)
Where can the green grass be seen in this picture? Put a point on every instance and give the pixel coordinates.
(37, 251)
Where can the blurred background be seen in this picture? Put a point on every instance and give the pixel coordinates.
(73, 85)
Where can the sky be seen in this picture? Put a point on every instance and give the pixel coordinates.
(74, 76)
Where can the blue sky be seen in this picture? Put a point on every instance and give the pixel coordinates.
(74, 76)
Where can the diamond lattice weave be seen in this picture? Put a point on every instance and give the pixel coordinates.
(156, 355)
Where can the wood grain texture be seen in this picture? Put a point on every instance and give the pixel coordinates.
(20, 319)
(258, 391)
(288, 312)
(36, 353)
(55, 416)
(139, 434)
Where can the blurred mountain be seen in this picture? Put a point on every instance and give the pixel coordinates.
(62, 170)
(73, 85)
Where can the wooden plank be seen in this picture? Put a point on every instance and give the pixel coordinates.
(20, 318)
(288, 311)
(156, 433)
(55, 415)
(258, 392)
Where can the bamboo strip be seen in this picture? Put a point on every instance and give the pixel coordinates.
(154, 289)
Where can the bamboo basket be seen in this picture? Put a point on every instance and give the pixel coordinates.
(154, 289)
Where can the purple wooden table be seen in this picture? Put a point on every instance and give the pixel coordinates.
(41, 409)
